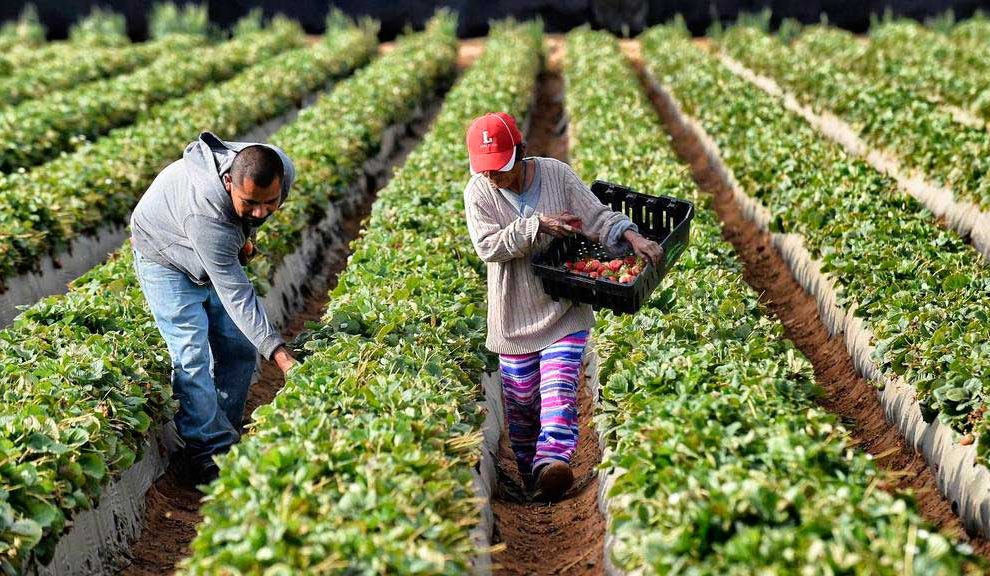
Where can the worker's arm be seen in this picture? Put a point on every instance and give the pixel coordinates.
(598, 221)
(217, 245)
(492, 241)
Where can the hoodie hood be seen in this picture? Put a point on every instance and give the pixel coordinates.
(208, 158)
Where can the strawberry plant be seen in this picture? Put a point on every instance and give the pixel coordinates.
(86, 64)
(721, 461)
(83, 376)
(888, 113)
(922, 291)
(362, 464)
(929, 63)
(348, 125)
(96, 185)
(34, 131)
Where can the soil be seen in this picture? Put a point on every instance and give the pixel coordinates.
(468, 51)
(566, 537)
(172, 508)
(844, 392)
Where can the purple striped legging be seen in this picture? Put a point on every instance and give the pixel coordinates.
(541, 401)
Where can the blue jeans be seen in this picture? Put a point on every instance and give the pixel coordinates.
(213, 363)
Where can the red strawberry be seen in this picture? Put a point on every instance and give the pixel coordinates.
(629, 260)
(615, 264)
(579, 265)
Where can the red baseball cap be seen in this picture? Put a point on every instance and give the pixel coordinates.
(491, 142)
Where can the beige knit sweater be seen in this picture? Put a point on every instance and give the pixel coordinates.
(521, 317)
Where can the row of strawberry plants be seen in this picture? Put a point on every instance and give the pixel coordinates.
(347, 128)
(97, 185)
(363, 462)
(887, 113)
(84, 375)
(928, 62)
(34, 131)
(972, 33)
(86, 64)
(709, 478)
(921, 290)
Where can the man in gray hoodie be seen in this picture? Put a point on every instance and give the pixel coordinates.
(191, 233)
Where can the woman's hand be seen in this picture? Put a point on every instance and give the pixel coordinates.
(557, 225)
(643, 247)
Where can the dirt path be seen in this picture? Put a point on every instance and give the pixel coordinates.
(172, 509)
(566, 537)
(845, 393)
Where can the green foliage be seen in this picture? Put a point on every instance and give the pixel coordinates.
(888, 90)
(253, 21)
(36, 130)
(84, 376)
(100, 28)
(85, 64)
(724, 463)
(169, 18)
(362, 464)
(921, 289)
(942, 23)
(26, 31)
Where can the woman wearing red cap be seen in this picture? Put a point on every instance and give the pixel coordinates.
(514, 207)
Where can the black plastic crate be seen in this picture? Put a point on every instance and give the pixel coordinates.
(663, 219)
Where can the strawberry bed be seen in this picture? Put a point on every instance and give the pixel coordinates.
(85, 375)
(36, 130)
(719, 460)
(96, 186)
(363, 462)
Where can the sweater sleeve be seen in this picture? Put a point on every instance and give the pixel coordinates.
(217, 248)
(495, 243)
(597, 220)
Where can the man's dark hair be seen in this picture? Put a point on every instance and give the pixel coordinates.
(259, 163)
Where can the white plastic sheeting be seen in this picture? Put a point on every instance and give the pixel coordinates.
(99, 540)
(964, 217)
(86, 252)
(965, 483)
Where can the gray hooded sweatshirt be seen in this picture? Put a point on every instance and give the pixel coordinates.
(186, 222)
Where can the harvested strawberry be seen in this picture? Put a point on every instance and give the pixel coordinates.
(593, 274)
(614, 265)
(593, 265)
(626, 279)
(629, 260)
(580, 265)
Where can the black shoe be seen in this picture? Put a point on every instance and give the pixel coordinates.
(553, 480)
(196, 471)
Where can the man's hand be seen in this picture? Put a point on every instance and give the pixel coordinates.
(283, 359)
(645, 248)
(557, 225)
(247, 253)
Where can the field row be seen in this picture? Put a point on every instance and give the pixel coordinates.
(717, 458)
(720, 460)
(37, 130)
(364, 459)
(919, 288)
(86, 375)
(97, 185)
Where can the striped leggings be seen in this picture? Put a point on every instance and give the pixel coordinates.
(541, 401)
